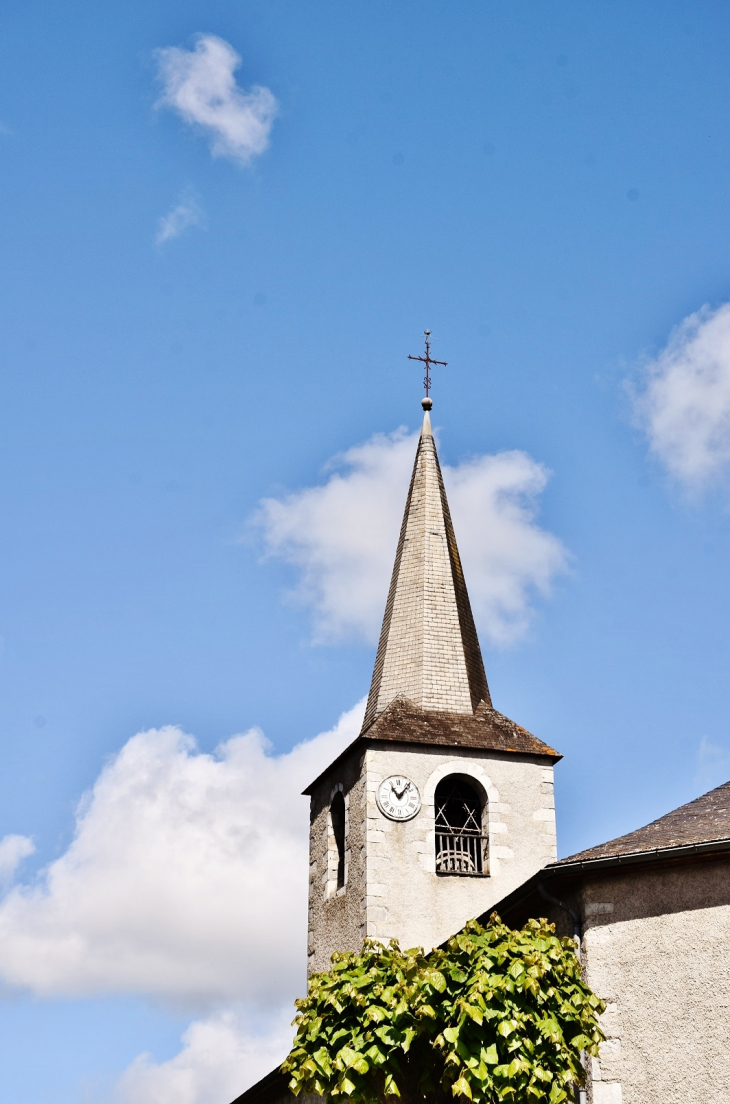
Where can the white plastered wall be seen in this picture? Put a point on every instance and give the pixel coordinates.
(657, 950)
(391, 888)
(404, 897)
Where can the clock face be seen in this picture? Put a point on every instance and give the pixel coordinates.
(398, 798)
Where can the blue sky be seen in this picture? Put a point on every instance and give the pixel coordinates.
(543, 186)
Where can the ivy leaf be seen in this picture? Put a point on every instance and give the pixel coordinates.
(462, 1088)
(389, 1035)
(390, 1088)
(322, 1059)
(436, 979)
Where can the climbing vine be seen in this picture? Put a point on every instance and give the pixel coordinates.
(494, 1016)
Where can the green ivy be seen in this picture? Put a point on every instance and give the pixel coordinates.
(497, 1015)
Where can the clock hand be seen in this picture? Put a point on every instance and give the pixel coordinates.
(399, 793)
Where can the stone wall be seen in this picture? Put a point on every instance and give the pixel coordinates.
(392, 889)
(337, 917)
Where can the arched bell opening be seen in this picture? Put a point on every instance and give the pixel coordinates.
(337, 821)
(462, 841)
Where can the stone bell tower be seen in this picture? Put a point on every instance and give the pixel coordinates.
(442, 805)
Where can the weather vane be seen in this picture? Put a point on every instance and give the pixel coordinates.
(428, 361)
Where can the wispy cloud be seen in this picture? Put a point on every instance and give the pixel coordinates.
(200, 85)
(183, 215)
(341, 537)
(713, 765)
(683, 399)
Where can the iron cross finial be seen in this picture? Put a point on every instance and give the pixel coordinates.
(428, 361)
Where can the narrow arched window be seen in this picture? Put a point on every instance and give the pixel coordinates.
(461, 842)
(337, 817)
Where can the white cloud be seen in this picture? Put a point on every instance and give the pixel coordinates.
(13, 849)
(186, 879)
(683, 403)
(341, 536)
(507, 557)
(200, 85)
(183, 215)
(221, 1056)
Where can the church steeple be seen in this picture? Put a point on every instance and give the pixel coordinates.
(429, 651)
(442, 805)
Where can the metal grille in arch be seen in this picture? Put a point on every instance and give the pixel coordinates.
(461, 844)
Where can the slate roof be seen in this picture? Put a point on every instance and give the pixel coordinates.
(486, 729)
(701, 821)
(428, 650)
(403, 722)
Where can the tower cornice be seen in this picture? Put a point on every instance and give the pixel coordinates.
(485, 730)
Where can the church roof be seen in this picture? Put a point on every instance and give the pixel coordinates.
(403, 722)
(428, 651)
(703, 821)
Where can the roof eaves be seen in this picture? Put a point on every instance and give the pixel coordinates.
(586, 866)
(628, 858)
(308, 791)
(368, 737)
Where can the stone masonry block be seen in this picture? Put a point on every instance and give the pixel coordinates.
(607, 1092)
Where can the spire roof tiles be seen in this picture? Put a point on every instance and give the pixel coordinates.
(429, 651)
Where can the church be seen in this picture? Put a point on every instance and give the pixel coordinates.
(442, 810)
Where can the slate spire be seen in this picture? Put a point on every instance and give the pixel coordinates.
(428, 650)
